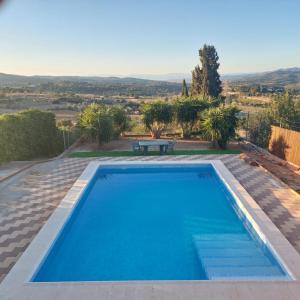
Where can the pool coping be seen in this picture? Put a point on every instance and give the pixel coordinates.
(17, 280)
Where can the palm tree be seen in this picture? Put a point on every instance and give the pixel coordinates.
(220, 124)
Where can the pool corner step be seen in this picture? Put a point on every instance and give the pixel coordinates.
(243, 272)
(232, 256)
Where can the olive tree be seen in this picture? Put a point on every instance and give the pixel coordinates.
(97, 121)
(187, 112)
(120, 120)
(156, 116)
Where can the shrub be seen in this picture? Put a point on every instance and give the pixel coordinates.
(98, 122)
(187, 114)
(283, 110)
(103, 123)
(156, 116)
(120, 120)
(259, 129)
(220, 124)
(29, 134)
(105, 129)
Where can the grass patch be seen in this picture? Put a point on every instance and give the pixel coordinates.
(150, 153)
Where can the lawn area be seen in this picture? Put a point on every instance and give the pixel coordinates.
(155, 153)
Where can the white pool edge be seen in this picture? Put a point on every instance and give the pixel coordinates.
(20, 275)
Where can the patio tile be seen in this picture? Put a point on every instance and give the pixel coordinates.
(33, 198)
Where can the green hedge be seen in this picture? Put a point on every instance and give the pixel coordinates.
(29, 134)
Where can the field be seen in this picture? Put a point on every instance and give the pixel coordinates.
(64, 106)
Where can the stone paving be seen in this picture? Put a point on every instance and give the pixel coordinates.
(12, 168)
(27, 201)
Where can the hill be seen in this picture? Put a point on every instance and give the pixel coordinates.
(163, 85)
(91, 85)
(286, 78)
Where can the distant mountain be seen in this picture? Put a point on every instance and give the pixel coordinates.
(170, 77)
(165, 84)
(288, 78)
(107, 86)
(21, 80)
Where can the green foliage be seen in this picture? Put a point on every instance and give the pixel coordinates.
(187, 113)
(98, 122)
(70, 133)
(220, 123)
(283, 110)
(259, 129)
(103, 123)
(196, 87)
(185, 91)
(211, 83)
(105, 129)
(29, 134)
(156, 116)
(64, 124)
(111, 87)
(215, 102)
(206, 79)
(252, 102)
(120, 120)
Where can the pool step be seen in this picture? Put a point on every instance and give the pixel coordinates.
(244, 272)
(200, 224)
(232, 256)
(222, 237)
(259, 261)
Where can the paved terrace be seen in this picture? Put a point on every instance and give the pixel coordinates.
(28, 199)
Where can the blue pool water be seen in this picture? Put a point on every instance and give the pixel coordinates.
(157, 223)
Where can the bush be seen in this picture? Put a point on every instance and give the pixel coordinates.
(187, 114)
(156, 116)
(29, 134)
(97, 122)
(103, 123)
(283, 110)
(105, 129)
(220, 124)
(259, 129)
(120, 120)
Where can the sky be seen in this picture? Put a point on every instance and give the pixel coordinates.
(125, 37)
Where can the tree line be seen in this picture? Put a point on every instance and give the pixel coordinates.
(211, 119)
(134, 87)
(201, 111)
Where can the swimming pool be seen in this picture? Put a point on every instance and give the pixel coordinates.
(158, 222)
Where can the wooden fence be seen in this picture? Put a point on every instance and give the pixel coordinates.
(285, 144)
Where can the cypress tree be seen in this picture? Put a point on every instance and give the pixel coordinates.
(185, 91)
(196, 81)
(211, 83)
(206, 80)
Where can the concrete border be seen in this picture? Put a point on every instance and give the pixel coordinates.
(17, 283)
